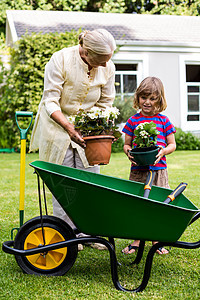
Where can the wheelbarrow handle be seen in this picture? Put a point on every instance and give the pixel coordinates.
(23, 132)
(148, 184)
(196, 217)
(180, 188)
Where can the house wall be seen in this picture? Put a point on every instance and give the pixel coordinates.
(170, 68)
(166, 67)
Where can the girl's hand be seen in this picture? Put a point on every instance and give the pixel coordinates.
(131, 158)
(128, 147)
(160, 154)
(171, 146)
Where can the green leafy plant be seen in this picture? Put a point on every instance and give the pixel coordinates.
(146, 135)
(97, 122)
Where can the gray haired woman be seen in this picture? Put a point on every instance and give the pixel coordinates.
(77, 77)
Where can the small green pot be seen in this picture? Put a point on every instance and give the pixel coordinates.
(144, 156)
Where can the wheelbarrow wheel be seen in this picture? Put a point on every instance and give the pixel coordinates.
(54, 262)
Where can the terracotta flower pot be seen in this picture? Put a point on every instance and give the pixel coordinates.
(145, 156)
(98, 149)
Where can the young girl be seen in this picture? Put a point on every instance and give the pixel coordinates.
(150, 99)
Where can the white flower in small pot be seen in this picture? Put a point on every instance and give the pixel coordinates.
(145, 140)
(97, 125)
(146, 135)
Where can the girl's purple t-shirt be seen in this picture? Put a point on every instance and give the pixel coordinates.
(163, 125)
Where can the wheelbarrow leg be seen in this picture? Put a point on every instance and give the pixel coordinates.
(147, 270)
(139, 253)
(112, 241)
(114, 263)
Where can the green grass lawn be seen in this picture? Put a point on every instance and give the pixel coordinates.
(173, 276)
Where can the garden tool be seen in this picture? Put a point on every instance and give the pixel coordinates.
(23, 137)
(178, 190)
(148, 184)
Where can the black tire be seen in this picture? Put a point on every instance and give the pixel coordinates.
(53, 263)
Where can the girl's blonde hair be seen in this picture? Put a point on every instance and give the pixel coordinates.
(97, 42)
(151, 86)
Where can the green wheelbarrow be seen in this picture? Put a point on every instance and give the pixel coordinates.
(101, 207)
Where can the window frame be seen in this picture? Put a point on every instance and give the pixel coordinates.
(121, 74)
(192, 126)
(131, 58)
(189, 84)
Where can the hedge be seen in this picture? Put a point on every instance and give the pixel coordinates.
(186, 140)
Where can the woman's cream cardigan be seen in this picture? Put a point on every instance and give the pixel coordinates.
(68, 87)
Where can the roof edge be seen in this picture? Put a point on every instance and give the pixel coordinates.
(9, 19)
(156, 43)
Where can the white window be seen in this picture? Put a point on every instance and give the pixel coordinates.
(193, 92)
(131, 68)
(126, 80)
(190, 93)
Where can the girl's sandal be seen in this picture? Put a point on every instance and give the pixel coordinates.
(130, 247)
(161, 251)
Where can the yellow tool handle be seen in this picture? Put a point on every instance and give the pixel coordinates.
(149, 181)
(22, 175)
(148, 184)
(23, 137)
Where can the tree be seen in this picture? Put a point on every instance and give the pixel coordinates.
(176, 7)
(64, 5)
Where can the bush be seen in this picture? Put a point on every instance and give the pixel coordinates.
(118, 146)
(126, 109)
(23, 86)
(186, 140)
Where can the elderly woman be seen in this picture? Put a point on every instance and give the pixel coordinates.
(78, 77)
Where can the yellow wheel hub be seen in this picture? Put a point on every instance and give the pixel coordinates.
(52, 258)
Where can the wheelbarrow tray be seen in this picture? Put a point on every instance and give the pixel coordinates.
(106, 206)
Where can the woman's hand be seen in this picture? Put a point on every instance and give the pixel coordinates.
(60, 119)
(75, 135)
